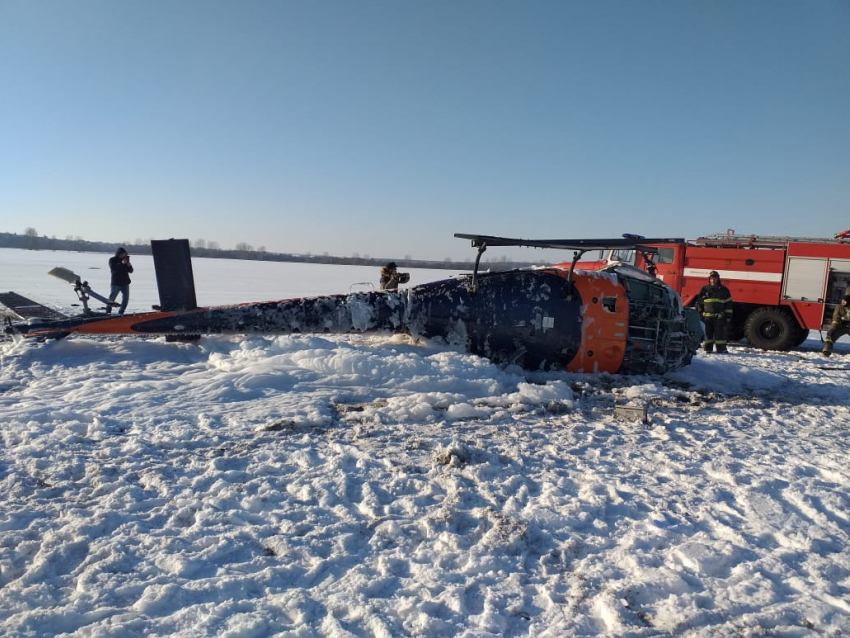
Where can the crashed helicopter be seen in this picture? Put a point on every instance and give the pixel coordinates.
(618, 320)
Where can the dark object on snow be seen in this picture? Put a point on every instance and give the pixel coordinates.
(632, 413)
(555, 318)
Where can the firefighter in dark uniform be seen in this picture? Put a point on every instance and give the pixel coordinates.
(839, 326)
(714, 304)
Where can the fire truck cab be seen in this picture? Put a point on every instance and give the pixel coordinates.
(781, 287)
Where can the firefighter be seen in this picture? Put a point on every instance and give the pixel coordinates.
(839, 326)
(714, 303)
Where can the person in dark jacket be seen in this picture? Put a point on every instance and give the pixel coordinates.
(839, 326)
(391, 277)
(714, 303)
(120, 267)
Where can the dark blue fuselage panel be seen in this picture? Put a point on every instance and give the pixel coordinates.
(518, 316)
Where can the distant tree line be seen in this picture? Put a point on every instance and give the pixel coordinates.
(31, 240)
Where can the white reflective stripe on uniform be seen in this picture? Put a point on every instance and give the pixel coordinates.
(747, 275)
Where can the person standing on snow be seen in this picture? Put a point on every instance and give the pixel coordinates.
(714, 303)
(120, 267)
(391, 277)
(839, 326)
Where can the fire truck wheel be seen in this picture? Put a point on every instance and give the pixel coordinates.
(772, 329)
(804, 334)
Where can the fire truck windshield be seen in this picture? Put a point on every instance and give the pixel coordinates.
(622, 255)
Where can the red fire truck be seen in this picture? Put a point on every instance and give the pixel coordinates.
(781, 287)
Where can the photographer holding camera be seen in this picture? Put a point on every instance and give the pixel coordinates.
(120, 267)
(391, 277)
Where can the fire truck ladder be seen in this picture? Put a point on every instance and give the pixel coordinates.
(731, 240)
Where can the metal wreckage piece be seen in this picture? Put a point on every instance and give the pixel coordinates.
(618, 320)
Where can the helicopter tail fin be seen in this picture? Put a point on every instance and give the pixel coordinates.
(174, 277)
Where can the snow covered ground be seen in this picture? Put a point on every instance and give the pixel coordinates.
(350, 486)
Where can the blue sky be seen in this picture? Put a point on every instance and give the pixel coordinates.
(382, 128)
